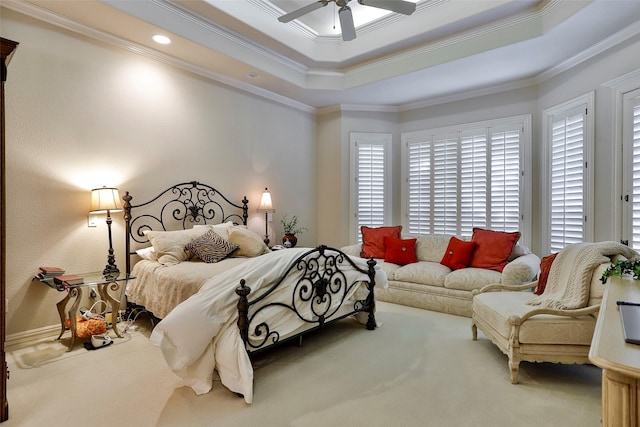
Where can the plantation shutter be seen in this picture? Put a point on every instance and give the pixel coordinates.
(567, 178)
(419, 187)
(474, 181)
(445, 185)
(456, 182)
(370, 183)
(505, 179)
(634, 136)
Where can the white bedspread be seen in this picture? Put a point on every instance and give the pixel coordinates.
(201, 335)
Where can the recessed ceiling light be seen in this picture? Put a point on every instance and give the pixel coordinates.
(161, 39)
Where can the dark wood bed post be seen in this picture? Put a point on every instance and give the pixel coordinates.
(126, 206)
(371, 300)
(7, 47)
(243, 310)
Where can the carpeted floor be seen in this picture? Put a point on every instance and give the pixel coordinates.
(420, 368)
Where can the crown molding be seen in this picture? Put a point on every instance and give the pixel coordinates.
(595, 50)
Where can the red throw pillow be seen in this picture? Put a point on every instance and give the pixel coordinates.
(400, 251)
(545, 268)
(373, 240)
(492, 248)
(458, 254)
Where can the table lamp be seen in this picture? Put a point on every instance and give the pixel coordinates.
(107, 199)
(266, 206)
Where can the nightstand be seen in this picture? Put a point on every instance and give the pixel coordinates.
(110, 289)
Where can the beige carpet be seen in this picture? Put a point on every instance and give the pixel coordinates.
(420, 368)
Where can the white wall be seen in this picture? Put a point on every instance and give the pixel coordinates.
(81, 114)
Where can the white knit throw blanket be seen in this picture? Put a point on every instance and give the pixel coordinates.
(571, 273)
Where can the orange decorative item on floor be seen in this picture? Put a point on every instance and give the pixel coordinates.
(86, 328)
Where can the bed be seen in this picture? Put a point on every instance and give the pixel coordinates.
(215, 315)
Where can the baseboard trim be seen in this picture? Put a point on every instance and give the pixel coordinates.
(32, 335)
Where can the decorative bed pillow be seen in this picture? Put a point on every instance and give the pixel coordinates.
(545, 268)
(249, 244)
(373, 240)
(493, 248)
(458, 254)
(147, 253)
(169, 245)
(400, 251)
(210, 247)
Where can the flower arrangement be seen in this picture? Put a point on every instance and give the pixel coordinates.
(620, 267)
(290, 226)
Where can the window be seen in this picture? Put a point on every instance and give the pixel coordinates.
(465, 177)
(631, 159)
(370, 172)
(568, 130)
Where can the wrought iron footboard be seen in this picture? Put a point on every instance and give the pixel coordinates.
(317, 295)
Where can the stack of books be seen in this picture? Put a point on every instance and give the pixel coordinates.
(71, 279)
(49, 272)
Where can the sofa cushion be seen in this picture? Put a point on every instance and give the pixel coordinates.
(468, 279)
(422, 272)
(495, 308)
(373, 240)
(400, 251)
(493, 248)
(458, 253)
(432, 247)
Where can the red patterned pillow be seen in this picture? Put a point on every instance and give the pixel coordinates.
(400, 251)
(458, 254)
(492, 248)
(545, 268)
(373, 240)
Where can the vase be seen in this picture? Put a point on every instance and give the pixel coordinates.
(289, 240)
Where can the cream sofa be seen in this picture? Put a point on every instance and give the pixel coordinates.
(544, 332)
(430, 285)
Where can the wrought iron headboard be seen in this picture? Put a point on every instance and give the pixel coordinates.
(179, 207)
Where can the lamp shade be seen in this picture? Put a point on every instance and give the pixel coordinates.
(266, 205)
(105, 199)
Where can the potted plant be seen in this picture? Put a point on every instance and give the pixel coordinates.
(291, 228)
(620, 267)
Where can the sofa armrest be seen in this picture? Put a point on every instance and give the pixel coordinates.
(353, 250)
(498, 287)
(523, 269)
(590, 310)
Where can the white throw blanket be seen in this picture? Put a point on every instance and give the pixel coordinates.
(201, 335)
(571, 273)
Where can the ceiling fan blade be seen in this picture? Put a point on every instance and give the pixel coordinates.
(399, 6)
(346, 24)
(303, 11)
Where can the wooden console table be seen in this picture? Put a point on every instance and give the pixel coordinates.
(620, 362)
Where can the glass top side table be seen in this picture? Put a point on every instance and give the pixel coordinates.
(110, 288)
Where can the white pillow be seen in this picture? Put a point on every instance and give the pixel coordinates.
(169, 245)
(221, 230)
(250, 243)
(148, 253)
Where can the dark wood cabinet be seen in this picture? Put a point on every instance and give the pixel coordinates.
(6, 51)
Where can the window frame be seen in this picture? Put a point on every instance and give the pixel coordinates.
(525, 180)
(372, 138)
(586, 101)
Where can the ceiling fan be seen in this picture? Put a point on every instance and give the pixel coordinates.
(346, 18)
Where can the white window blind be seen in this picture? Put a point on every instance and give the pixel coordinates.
(470, 178)
(567, 178)
(631, 131)
(370, 152)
